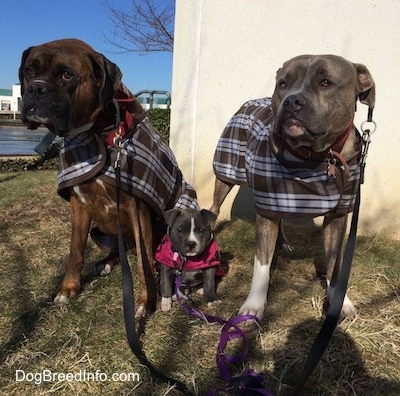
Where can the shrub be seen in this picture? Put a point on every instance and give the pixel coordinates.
(160, 118)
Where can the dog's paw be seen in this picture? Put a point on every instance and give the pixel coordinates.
(215, 302)
(166, 304)
(287, 247)
(348, 309)
(103, 270)
(61, 299)
(141, 311)
(105, 266)
(65, 293)
(253, 309)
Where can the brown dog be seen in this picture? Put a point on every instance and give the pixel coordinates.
(299, 152)
(77, 94)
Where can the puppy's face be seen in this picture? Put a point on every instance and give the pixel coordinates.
(314, 99)
(189, 230)
(65, 84)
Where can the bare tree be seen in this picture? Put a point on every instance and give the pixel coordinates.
(148, 26)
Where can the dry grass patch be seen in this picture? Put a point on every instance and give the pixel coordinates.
(362, 359)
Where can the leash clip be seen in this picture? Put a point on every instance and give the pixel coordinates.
(118, 144)
(334, 161)
(332, 165)
(366, 138)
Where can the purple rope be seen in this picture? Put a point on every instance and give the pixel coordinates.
(249, 382)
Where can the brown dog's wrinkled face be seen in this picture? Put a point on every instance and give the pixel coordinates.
(65, 84)
(314, 99)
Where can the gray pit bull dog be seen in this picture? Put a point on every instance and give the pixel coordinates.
(300, 154)
(189, 246)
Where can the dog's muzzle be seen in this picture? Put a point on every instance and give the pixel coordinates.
(42, 103)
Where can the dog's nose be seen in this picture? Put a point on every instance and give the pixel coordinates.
(293, 103)
(38, 88)
(191, 245)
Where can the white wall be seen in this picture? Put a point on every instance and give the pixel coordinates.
(16, 95)
(228, 51)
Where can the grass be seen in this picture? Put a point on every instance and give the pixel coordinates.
(363, 358)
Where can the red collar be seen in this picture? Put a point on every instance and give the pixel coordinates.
(128, 120)
(305, 153)
(124, 114)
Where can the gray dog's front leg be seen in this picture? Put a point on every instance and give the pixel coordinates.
(266, 236)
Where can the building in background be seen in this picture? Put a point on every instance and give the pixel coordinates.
(10, 99)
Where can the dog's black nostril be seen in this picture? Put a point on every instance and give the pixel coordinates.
(293, 103)
(191, 245)
(37, 88)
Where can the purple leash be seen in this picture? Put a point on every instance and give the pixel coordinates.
(249, 382)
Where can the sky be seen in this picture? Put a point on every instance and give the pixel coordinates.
(26, 23)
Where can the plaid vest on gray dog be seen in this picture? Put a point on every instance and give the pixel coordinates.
(283, 185)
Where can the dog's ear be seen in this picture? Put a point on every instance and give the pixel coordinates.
(108, 76)
(209, 217)
(171, 215)
(366, 85)
(25, 55)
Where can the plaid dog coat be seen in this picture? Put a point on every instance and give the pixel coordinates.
(283, 186)
(148, 167)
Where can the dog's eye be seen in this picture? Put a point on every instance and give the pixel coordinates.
(29, 72)
(179, 229)
(325, 83)
(201, 230)
(66, 75)
(282, 84)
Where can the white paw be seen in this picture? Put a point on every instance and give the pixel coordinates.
(61, 299)
(166, 304)
(348, 309)
(141, 311)
(200, 291)
(215, 302)
(106, 270)
(253, 308)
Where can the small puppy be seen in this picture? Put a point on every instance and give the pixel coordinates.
(189, 245)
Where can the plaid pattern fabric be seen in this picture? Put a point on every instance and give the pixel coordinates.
(148, 167)
(282, 187)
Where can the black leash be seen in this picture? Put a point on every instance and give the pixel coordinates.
(335, 306)
(128, 293)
